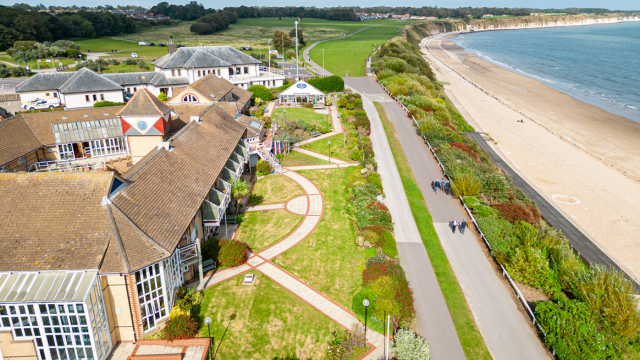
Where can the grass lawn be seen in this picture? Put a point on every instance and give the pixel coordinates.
(348, 55)
(270, 322)
(274, 189)
(33, 64)
(328, 259)
(125, 48)
(470, 338)
(299, 159)
(260, 230)
(307, 115)
(338, 150)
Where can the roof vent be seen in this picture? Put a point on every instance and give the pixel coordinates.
(85, 115)
(64, 117)
(195, 118)
(105, 114)
(166, 145)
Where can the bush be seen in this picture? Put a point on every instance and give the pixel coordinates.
(141, 63)
(515, 212)
(230, 253)
(572, 331)
(106, 103)
(470, 201)
(180, 327)
(344, 344)
(356, 155)
(407, 345)
(162, 97)
(467, 185)
(389, 246)
(498, 232)
(483, 211)
(130, 62)
(263, 167)
(327, 84)
(356, 302)
(530, 266)
(261, 92)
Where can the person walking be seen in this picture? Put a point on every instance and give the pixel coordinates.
(442, 182)
(447, 187)
(437, 186)
(463, 225)
(454, 224)
(433, 186)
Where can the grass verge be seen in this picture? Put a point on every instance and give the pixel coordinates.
(260, 230)
(295, 158)
(338, 150)
(274, 189)
(305, 114)
(469, 335)
(270, 322)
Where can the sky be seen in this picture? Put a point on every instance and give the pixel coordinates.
(540, 4)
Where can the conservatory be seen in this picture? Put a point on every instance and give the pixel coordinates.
(301, 92)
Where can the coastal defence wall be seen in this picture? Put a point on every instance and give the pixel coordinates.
(420, 30)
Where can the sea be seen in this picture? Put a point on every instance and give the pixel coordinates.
(597, 64)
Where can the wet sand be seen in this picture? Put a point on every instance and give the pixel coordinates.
(585, 160)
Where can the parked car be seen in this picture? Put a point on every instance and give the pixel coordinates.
(142, 43)
(179, 46)
(151, 44)
(161, 45)
(242, 48)
(134, 55)
(248, 48)
(41, 103)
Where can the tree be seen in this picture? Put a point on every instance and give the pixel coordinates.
(239, 190)
(408, 346)
(201, 28)
(279, 37)
(292, 35)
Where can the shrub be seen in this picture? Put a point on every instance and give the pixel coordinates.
(374, 179)
(389, 246)
(384, 291)
(141, 64)
(201, 28)
(498, 232)
(467, 150)
(344, 344)
(467, 185)
(495, 183)
(407, 345)
(263, 167)
(180, 327)
(356, 154)
(162, 97)
(515, 212)
(327, 84)
(470, 201)
(530, 266)
(356, 302)
(572, 331)
(376, 259)
(261, 92)
(232, 253)
(106, 103)
(483, 211)
(374, 272)
(130, 62)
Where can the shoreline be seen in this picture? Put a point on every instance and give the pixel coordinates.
(580, 157)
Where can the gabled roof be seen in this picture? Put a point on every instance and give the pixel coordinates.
(86, 80)
(41, 123)
(168, 189)
(204, 56)
(16, 139)
(211, 85)
(254, 126)
(231, 107)
(143, 103)
(242, 96)
(155, 78)
(302, 87)
(43, 82)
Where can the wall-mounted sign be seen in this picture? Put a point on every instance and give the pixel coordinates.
(301, 86)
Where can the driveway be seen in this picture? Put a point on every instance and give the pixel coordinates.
(505, 329)
(290, 71)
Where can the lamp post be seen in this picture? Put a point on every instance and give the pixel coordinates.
(297, 64)
(366, 305)
(329, 142)
(207, 321)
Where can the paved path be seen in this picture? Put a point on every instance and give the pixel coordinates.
(433, 320)
(298, 205)
(323, 136)
(337, 123)
(319, 167)
(319, 156)
(265, 207)
(504, 329)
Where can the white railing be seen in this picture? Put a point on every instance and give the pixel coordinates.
(238, 172)
(268, 156)
(271, 70)
(188, 252)
(67, 165)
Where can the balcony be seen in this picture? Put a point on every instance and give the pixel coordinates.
(81, 165)
(235, 168)
(188, 253)
(214, 208)
(268, 70)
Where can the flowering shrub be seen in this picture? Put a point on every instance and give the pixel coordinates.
(374, 272)
(180, 327)
(408, 346)
(232, 253)
(466, 149)
(515, 212)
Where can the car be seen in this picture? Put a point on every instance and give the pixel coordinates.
(242, 48)
(134, 55)
(161, 45)
(179, 46)
(41, 103)
(151, 44)
(248, 48)
(142, 43)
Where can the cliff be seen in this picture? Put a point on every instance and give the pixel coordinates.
(419, 30)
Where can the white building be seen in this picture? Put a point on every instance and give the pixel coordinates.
(301, 92)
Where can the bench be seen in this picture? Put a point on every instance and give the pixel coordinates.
(318, 106)
(208, 265)
(231, 219)
(316, 134)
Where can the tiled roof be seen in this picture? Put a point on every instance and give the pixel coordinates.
(16, 139)
(86, 80)
(56, 221)
(242, 96)
(44, 81)
(40, 123)
(211, 85)
(229, 106)
(204, 56)
(144, 102)
(165, 193)
(250, 123)
(155, 78)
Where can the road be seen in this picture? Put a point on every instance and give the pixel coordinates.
(290, 70)
(504, 328)
(8, 85)
(433, 320)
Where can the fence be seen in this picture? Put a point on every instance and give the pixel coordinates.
(473, 219)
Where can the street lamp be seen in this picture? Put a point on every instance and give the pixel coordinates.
(207, 321)
(366, 305)
(329, 142)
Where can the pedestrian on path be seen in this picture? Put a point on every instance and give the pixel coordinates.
(437, 186)
(454, 224)
(442, 182)
(447, 187)
(433, 186)
(463, 225)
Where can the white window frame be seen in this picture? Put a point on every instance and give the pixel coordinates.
(65, 152)
(189, 98)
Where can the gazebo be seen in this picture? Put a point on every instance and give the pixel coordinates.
(301, 92)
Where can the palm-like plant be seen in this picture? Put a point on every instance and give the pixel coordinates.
(239, 190)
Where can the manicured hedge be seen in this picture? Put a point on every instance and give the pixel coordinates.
(100, 104)
(227, 253)
(328, 84)
(261, 92)
(180, 327)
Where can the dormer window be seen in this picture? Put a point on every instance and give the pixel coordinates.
(190, 98)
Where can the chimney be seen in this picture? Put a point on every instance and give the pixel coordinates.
(172, 48)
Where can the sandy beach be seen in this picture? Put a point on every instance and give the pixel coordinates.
(583, 159)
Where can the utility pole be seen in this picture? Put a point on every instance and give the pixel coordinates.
(297, 66)
(323, 70)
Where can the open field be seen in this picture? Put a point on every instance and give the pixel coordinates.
(342, 56)
(270, 322)
(125, 48)
(260, 230)
(274, 189)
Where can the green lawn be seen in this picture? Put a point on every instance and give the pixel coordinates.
(125, 48)
(307, 115)
(299, 159)
(328, 259)
(274, 189)
(470, 338)
(33, 64)
(260, 230)
(270, 322)
(338, 150)
(349, 55)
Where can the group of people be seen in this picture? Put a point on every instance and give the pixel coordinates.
(461, 226)
(441, 185)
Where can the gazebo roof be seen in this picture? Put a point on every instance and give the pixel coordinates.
(302, 87)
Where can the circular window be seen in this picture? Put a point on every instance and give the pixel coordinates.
(142, 125)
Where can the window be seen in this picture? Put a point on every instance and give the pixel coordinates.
(22, 160)
(102, 97)
(218, 72)
(87, 98)
(199, 73)
(135, 89)
(151, 296)
(209, 72)
(179, 72)
(55, 95)
(189, 98)
(95, 97)
(4, 168)
(65, 151)
(238, 71)
(173, 72)
(129, 90)
(46, 94)
(246, 69)
(112, 146)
